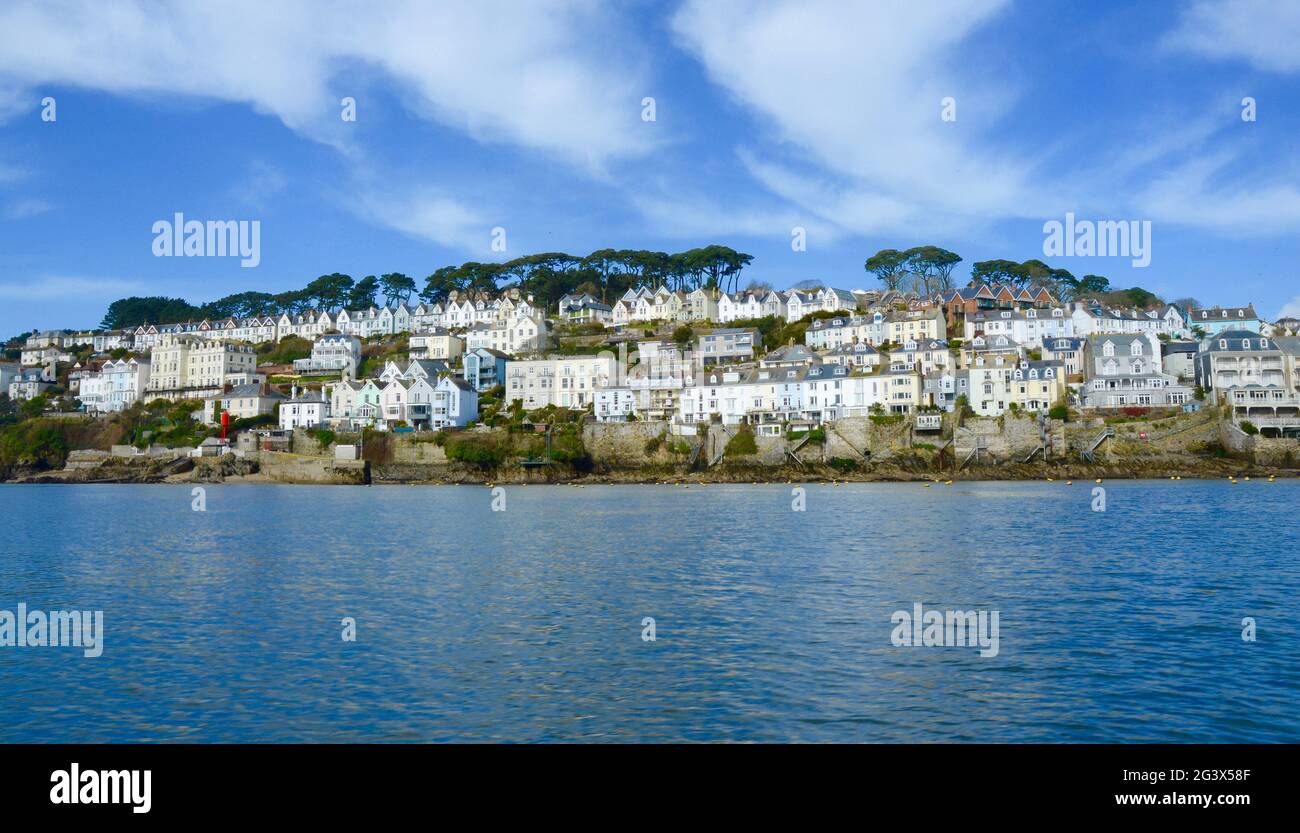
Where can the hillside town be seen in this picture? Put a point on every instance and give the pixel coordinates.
(761, 358)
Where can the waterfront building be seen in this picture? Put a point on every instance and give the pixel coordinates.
(1125, 370)
(309, 410)
(242, 402)
(563, 381)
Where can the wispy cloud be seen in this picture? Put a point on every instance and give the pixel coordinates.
(22, 209)
(429, 214)
(53, 287)
(1263, 33)
(260, 183)
(536, 75)
(846, 102)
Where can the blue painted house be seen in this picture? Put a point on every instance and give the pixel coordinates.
(1218, 319)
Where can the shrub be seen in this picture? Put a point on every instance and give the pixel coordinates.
(246, 423)
(742, 443)
(1249, 427)
(1060, 412)
(567, 447)
(40, 442)
(654, 443)
(842, 464)
(324, 437)
(482, 450)
(814, 435)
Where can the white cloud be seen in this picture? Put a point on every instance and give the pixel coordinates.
(1201, 193)
(1290, 309)
(22, 209)
(537, 75)
(698, 217)
(53, 287)
(260, 183)
(855, 90)
(1264, 33)
(429, 214)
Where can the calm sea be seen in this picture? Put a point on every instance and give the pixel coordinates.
(770, 624)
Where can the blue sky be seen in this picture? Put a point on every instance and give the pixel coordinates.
(528, 116)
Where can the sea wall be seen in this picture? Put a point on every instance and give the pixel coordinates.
(281, 467)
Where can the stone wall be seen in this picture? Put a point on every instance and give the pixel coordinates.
(621, 444)
(1282, 453)
(408, 450)
(857, 438)
(295, 468)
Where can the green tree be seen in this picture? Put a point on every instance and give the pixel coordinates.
(363, 293)
(932, 267)
(394, 286)
(889, 266)
(330, 292)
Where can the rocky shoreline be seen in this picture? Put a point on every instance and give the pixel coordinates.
(231, 469)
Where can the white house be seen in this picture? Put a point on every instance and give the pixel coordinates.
(455, 403)
(333, 353)
(309, 410)
(564, 381)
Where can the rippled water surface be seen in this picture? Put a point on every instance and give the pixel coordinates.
(771, 625)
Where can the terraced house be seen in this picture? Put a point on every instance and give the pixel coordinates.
(1029, 327)
(563, 381)
(1125, 370)
(1215, 320)
(189, 367)
(997, 383)
(1259, 377)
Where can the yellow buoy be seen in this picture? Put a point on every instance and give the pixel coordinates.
(1098, 479)
(1069, 482)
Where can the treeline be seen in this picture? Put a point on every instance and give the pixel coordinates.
(928, 269)
(606, 274)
